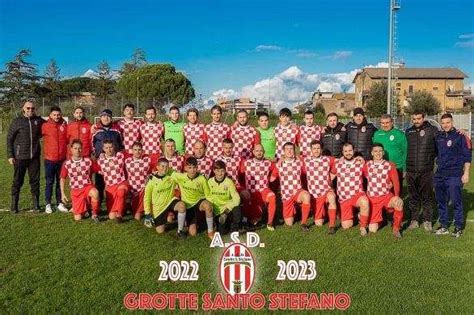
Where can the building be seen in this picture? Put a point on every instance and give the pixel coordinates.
(242, 103)
(446, 84)
(339, 103)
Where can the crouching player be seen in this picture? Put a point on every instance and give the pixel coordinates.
(194, 190)
(224, 198)
(317, 169)
(111, 166)
(160, 199)
(83, 192)
(382, 176)
(349, 173)
(138, 168)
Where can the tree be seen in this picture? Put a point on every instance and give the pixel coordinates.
(105, 84)
(158, 81)
(19, 78)
(319, 109)
(138, 60)
(377, 100)
(51, 78)
(424, 102)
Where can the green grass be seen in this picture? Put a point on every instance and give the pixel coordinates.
(48, 263)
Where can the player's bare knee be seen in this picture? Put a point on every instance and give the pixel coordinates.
(94, 193)
(180, 207)
(347, 224)
(373, 227)
(319, 222)
(160, 229)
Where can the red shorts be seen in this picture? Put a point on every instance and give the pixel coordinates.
(319, 206)
(154, 157)
(347, 207)
(377, 204)
(137, 202)
(116, 197)
(80, 199)
(258, 200)
(289, 209)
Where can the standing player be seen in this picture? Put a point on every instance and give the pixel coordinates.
(137, 167)
(111, 166)
(160, 199)
(257, 193)
(349, 172)
(224, 198)
(176, 160)
(194, 191)
(129, 128)
(174, 129)
(204, 162)
(285, 132)
(360, 133)
(83, 192)
(232, 161)
(216, 132)
(80, 128)
(244, 136)
(193, 130)
(151, 133)
(334, 136)
(382, 177)
(308, 132)
(317, 169)
(289, 170)
(267, 135)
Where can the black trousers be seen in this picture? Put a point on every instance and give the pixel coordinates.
(234, 221)
(100, 185)
(33, 167)
(52, 172)
(420, 195)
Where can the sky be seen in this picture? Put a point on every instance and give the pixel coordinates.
(277, 50)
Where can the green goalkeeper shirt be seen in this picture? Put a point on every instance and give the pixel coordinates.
(159, 193)
(192, 190)
(268, 141)
(175, 131)
(223, 195)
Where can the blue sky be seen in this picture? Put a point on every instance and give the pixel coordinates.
(233, 44)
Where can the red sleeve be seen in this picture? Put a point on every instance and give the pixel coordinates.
(257, 138)
(303, 167)
(298, 136)
(63, 173)
(229, 132)
(95, 168)
(242, 166)
(365, 171)
(273, 172)
(394, 178)
(333, 168)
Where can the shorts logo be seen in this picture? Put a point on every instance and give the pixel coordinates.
(392, 137)
(450, 143)
(422, 133)
(237, 269)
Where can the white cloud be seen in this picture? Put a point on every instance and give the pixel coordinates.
(267, 47)
(466, 36)
(466, 44)
(303, 53)
(343, 54)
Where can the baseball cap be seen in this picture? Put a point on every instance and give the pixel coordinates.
(357, 111)
(106, 112)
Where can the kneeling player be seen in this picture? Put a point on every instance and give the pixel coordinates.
(224, 198)
(160, 199)
(194, 190)
(382, 176)
(83, 193)
(349, 172)
(318, 174)
(289, 169)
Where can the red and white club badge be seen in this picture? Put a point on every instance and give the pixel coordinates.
(337, 137)
(237, 269)
(422, 133)
(450, 143)
(61, 128)
(363, 129)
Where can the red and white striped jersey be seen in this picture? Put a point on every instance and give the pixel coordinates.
(289, 172)
(176, 162)
(232, 166)
(193, 133)
(349, 177)
(205, 166)
(79, 172)
(306, 135)
(284, 134)
(244, 138)
(151, 134)
(318, 174)
(112, 168)
(215, 134)
(379, 177)
(137, 172)
(130, 131)
(257, 173)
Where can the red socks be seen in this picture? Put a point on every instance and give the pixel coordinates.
(271, 209)
(95, 204)
(363, 221)
(305, 208)
(397, 219)
(332, 217)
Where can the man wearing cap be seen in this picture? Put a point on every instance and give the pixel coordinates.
(360, 133)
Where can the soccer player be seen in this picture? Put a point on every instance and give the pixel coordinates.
(349, 173)
(334, 136)
(129, 128)
(289, 170)
(176, 160)
(83, 193)
(382, 177)
(244, 136)
(317, 169)
(224, 198)
(204, 162)
(137, 167)
(160, 199)
(54, 132)
(194, 190)
(216, 132)
(257, 193)
(307, 133)
(193, 130)
(80, 128)
(285, 131)
(267, 135)
(174, 129)
(151, 133)
(232, 161)
(111, 166)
